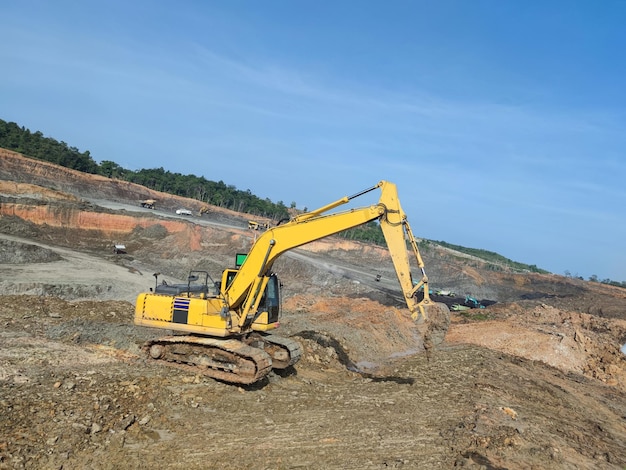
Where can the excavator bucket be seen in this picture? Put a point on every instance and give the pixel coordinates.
(436, 324)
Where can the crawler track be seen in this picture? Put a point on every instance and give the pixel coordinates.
(284, 352)
(229, 360)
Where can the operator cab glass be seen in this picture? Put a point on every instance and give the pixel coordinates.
(270, 302)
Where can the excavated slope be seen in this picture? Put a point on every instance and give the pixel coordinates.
(536, 380)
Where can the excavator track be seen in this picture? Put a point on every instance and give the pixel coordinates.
(284, 352)
(229, 360)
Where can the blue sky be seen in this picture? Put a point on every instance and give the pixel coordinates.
(502, 122)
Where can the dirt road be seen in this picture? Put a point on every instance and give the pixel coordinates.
(45, 269)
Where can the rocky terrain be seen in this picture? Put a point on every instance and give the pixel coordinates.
(535, 380)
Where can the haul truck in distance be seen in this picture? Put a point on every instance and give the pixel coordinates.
(223, 327)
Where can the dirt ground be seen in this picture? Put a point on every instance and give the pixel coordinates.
(535, 380)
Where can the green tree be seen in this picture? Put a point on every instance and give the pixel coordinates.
(111, 169)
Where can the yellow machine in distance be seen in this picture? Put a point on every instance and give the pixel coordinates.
(148, 203)
(226, 323)
(253, 225)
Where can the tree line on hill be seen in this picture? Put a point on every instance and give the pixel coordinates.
(495, 259)
(36, 145)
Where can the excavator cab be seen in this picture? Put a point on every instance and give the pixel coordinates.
(269, 306)
(268, 309)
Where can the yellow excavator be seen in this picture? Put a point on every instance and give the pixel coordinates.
(222, 328)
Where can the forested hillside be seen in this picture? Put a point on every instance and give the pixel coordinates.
(36, 145)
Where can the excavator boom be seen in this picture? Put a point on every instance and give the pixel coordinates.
(320, 223)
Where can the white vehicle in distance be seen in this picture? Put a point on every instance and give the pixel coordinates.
(183, 212)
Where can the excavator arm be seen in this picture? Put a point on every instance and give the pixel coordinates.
(245, 290)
